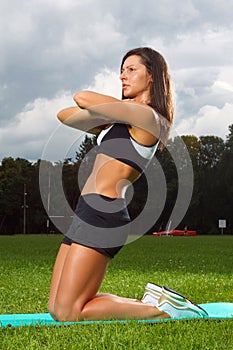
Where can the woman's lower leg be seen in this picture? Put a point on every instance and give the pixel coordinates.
(77, 277)
(107, 306)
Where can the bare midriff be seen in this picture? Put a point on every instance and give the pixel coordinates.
(110, 177)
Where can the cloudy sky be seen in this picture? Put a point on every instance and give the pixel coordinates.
(51, 48)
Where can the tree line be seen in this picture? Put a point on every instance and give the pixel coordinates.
(24, 210)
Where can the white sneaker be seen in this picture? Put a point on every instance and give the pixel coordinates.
(152, 294)
(178, 306)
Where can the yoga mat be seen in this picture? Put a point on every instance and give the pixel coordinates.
(215, 311)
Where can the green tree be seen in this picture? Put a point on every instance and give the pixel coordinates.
(212, 161)
(192, 215)
(211, 152)
(225, 182)
(209, 157)
(85, 157)
(170, 172)
(14, 174)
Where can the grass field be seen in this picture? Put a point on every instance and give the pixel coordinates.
(200, 267)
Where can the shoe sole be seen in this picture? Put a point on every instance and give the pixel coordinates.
(179, 297)
(152, 294)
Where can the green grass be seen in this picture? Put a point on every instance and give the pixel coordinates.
(200, 267)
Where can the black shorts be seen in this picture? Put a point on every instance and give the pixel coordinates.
(100, 223)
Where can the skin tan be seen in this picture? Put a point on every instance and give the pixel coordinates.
(79, 271)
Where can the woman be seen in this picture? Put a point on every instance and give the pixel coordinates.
(129, 132)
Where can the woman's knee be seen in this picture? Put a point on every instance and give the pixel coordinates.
(64, 312)
(52, 310)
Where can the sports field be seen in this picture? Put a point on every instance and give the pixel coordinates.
(200, 267)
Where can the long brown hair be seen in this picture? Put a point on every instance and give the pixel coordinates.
(161, 88)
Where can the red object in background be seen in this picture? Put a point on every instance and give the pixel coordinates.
(175, 233)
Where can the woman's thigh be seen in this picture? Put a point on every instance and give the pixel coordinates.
(56, 276)
(80, 279)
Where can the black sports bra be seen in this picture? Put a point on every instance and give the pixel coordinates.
(117, 143)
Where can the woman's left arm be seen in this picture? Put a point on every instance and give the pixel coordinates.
(126, 111)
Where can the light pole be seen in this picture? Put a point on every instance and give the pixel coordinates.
(48, 202)
(24, 206)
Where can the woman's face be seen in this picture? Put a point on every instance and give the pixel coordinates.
(136, 81)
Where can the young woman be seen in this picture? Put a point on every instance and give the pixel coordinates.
(129, 132)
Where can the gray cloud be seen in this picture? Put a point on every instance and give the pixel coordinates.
(48, 47)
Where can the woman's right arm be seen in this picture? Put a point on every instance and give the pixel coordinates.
(94, 111)
(82, 119)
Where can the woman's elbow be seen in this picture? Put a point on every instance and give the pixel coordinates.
(81, 98)
(66, 113)
(60, 116)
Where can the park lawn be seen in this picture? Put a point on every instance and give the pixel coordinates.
(199, 267)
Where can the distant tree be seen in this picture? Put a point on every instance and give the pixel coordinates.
(209, 157)
(170, 172)
(193, 146)
(210, 152)
(70, 182)
(192, 215)
(84, 152)
(225, 182)
(212, 162)
(85, 157)
(229, 140)
(13, 175)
